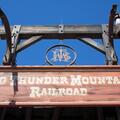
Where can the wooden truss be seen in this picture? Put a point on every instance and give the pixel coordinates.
(84, 33)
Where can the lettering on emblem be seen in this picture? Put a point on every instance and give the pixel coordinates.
(61, 55)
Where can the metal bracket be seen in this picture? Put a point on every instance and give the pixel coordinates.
(111, 58)
(15, 35)
(61, 29)
(10, 57)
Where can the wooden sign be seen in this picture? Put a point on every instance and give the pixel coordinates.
(60, 86)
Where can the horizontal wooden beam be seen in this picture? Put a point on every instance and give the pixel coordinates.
(88, 68)
(69, 31)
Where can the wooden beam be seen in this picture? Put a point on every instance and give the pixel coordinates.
(2, 117)
(90, 68)
(10, 57)
(100, 113)
(111, 57)
(46, 114)
(118, 113)
(6, 28)
(70, 31)
(93, 44)
(28, 43)
(56, 114)
(28, 115)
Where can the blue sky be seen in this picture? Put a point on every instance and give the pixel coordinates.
(52, 12)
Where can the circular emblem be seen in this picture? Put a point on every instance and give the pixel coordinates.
(61, 55)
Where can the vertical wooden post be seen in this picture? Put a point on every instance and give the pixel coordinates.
(28, 114)
(2, 117)
(100, 113)
(56, 114)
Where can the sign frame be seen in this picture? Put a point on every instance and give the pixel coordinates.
(13, 97)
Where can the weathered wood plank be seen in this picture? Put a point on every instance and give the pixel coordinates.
(28, 43)
(70, 31)
(60, 86)
(85, 68)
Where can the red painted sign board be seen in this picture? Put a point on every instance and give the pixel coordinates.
(60, 86)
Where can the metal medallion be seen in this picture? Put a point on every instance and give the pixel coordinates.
(61, 55)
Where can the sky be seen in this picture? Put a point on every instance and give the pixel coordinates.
(54, 12)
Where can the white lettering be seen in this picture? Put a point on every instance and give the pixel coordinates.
(76, 80)
(37, 91)
(116, 80)
(85, 80)
(34, 92)
(2, 80)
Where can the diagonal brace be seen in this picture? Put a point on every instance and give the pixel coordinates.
(93, 44)
(28, 43)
